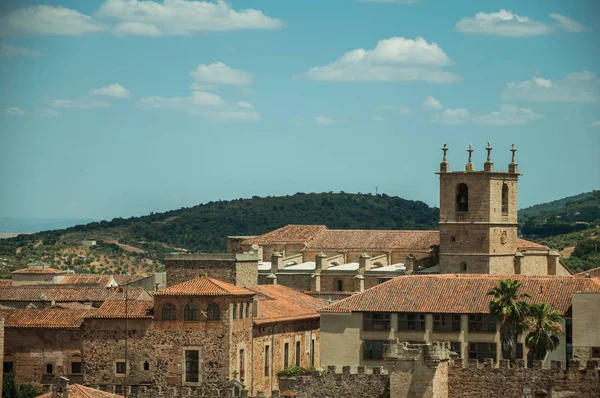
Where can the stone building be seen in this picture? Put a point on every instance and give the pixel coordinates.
(586, 326)
(239, 269)
(448, 307)
(36, 273)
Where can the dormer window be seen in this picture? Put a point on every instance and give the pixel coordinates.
(462, 197)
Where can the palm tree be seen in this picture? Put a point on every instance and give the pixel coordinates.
(510, 309)
(544, 329)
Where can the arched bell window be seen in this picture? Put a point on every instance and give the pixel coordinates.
(505, 199)
(462, 197)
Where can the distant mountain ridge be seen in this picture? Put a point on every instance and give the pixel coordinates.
(33, 224)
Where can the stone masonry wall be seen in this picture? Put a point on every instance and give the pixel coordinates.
(237, 269)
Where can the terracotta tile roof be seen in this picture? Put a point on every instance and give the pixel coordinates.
(59, 293)
(38, 270)
(594, 273)
(458, 293)
(115, 309)
(526, 244)
(376, 240)
(204, 286)
(278, 303)
(288, 235)
(125, 279)
(87, 279)
(44, 318)
(5, 282)
(79, 391)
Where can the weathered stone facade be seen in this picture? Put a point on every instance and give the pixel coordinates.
(237, 269)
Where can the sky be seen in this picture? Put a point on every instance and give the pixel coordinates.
(118, 108)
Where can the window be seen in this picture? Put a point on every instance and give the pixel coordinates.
(339, 285)
(146, 365)
(286, 355)
(191, 312)
(504, 200)
(120, 368)
(520, 351)
(192, 366)
(267, 361)
(462, 197)
(595, 352)
(482, 324)
(242, 365)
(169, 312)
(481, 351)
(446, 323)
(463, 267)
(234, 311)
(409, 322)
(456, 347)
(242, 311)
(248, 310)
(49, 369)
(75, 367)
(297, 353)
(373, 349)
(376, 321)
(312, 352)
(118, 389)
(8, 367)
(381, 280)
(213, 312)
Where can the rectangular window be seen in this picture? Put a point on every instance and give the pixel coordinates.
(234, 311)
(118, 389)
(376, 321)
(75, 367)
(595, 352)
(192, 366)
(482, 323)
(373, 349)
(248, 310)
(286, 355)
(120, 368)
(267, 361)
(410, 321)
(8, 367)
(297, 353)
(312, 352)
(456, 347)
(242, 365)
(481, 351)
(242, 311)
(446, 323)
(381, 280)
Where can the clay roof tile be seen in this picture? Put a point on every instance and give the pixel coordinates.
(204, 286)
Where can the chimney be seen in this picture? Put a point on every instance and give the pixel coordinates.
(359, 283)
(276, 262)
(363, 263)
(203, 274)
(553, 262)
(273, 278)
(319, 262)
(409, 264)
(518, 262)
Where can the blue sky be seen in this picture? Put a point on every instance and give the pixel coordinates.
(121, 107)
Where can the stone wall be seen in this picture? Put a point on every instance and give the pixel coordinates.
(237, 269)
(1, 351)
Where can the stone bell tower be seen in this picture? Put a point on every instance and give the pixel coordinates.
(478, 217)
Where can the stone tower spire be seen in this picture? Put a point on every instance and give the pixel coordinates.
(488, 166)
(444, 166)
(469, 166)
(512, 166)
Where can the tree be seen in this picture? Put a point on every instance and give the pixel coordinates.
(544, 328)
(510, 309)
(9, 387)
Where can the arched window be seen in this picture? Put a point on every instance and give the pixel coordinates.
(234, 311)
(462, 197)
(505, 199)
(241, 310)
(169, 312)
(49, 369)
(340, 285)
(191, 312)
(247, 310)
(146, 365)
(213, 312)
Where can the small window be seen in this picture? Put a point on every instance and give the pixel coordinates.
(286, 355)
(191, 312)
(169, 312)
(120, 368)
(595, 352)
(242, 365)
(213, 312)
(248, 310)
(192, 366)
(297, 353)
(482, 324)
(463, 267)
(267, 361)
(146, 365)
(382, 280)
(340, 285)
(456, 347)
(462, 197)
(234, 311)
(118, 389)
(312, 352)
(373, 349)
(504, 200)
(8, 367)
(49, 369)
(376, 321)
(241, 310)
(76, 368)
(411, 322)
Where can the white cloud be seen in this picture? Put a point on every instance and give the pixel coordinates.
(327, 121)
(84, 102)
(378, 118)
(506, 23)
(246, 105)
(48, 112)
(507, 115)
(596, 123)
(401, 109)
(18, 51)
(179, 17)
(394, 59)
(219, 73)
(575, 87)
(568, 24)
(432, 104)
(14, 111)
(112, 90)
(48, 20)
